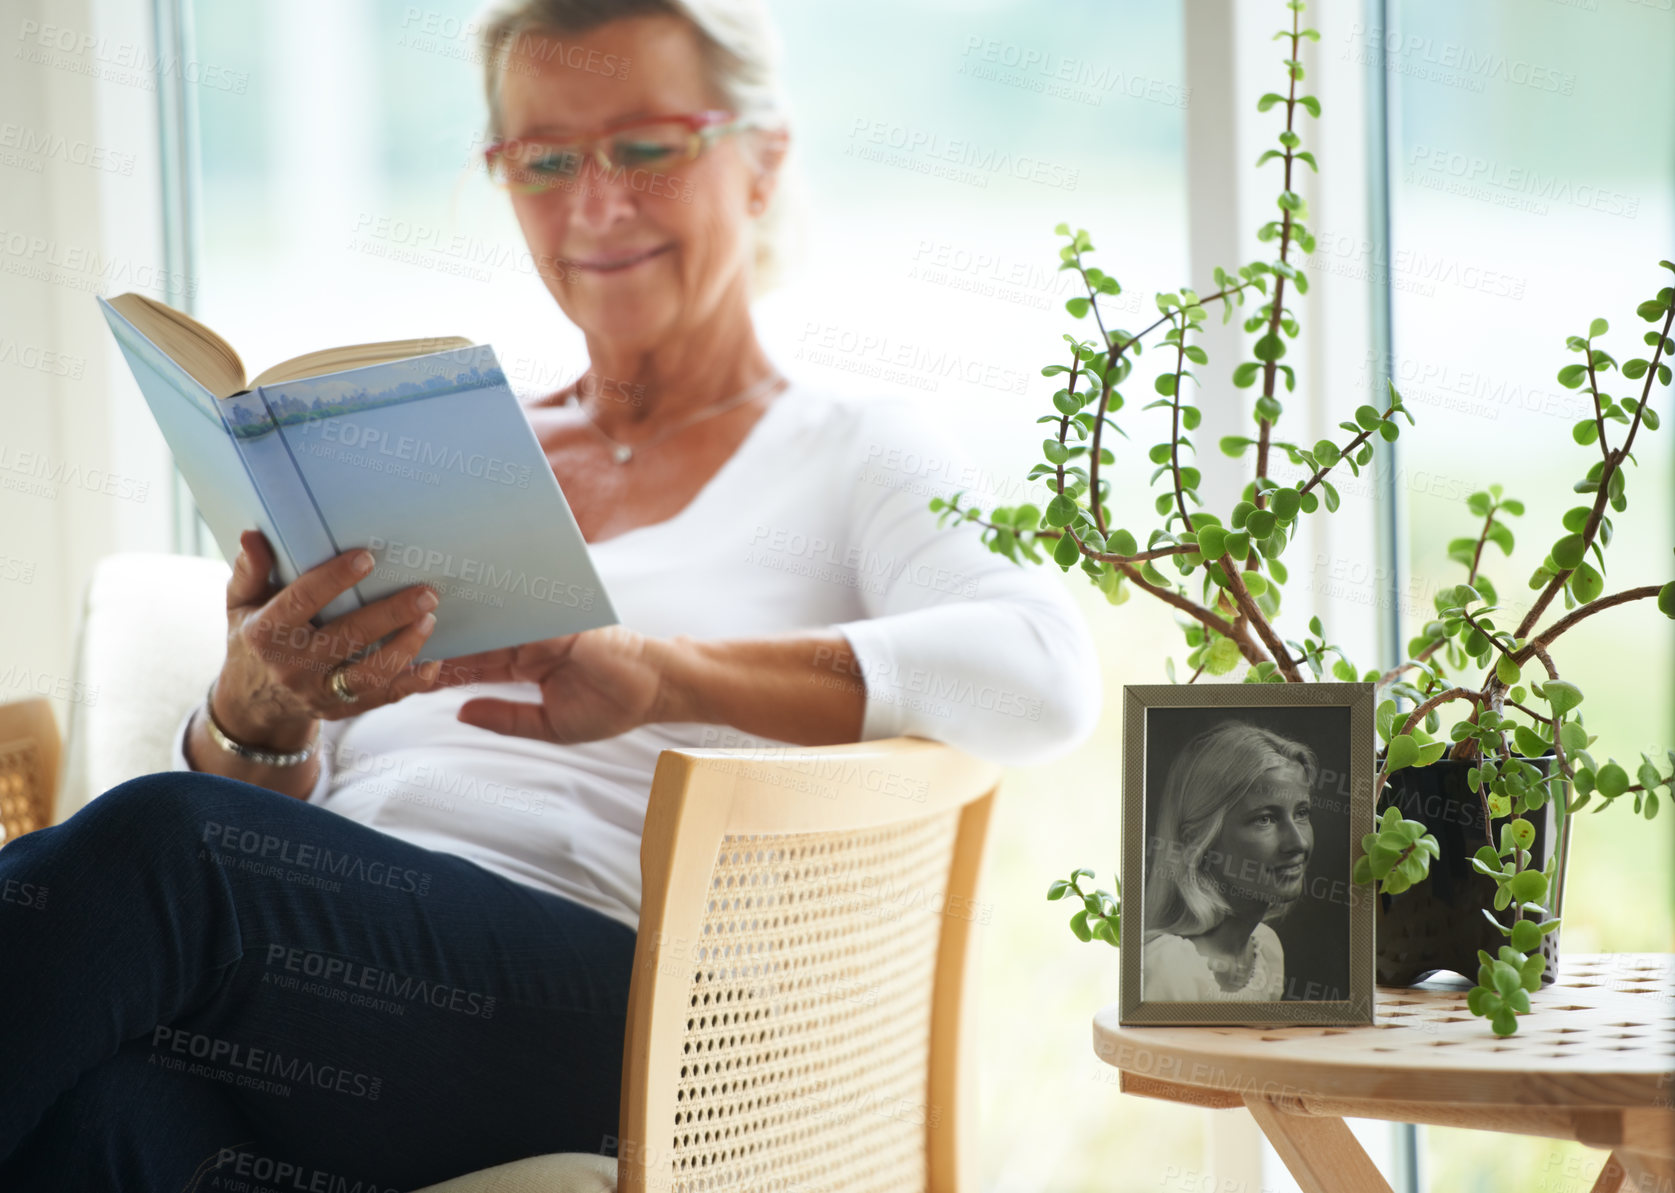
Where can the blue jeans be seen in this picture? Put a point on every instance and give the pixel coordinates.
(205, 985)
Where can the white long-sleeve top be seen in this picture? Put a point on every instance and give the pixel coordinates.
(819, 519)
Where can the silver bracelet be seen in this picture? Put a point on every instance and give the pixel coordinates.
(265, 757)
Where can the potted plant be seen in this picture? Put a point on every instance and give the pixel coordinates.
(1515, 749)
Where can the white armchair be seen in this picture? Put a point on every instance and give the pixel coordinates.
(153, 634)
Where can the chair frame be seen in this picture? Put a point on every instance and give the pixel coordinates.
(697, 798)
(28, 728)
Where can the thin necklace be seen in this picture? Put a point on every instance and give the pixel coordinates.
(624, 452)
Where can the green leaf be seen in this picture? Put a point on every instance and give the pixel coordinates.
(1269, 100)
(1061, 510)
(1385, 719)
(1077, 307)
(1222, 656)
(1528, 886)
(1666, 599)
(1506, 670)
(1367, 417)
(1530, 743)
(1260, 523)
(1572, 375)
(1404, 751)
(1058, 889)
(1561, 695)
(1065, 551)
(1611, 780)
(1285, 502)
(1586, 583)
(1325, 453)
(1598, 328)
(1079, 925)
(1568, 551)
(1245, 375)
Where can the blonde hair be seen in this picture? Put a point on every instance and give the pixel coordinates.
(741, 54)
(1207, 779)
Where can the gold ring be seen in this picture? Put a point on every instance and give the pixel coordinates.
(340, 686)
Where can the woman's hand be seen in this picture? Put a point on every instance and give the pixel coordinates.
(594, 685)
(275, 685)
(800, 687)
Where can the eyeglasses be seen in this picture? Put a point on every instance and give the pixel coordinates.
(532, 165)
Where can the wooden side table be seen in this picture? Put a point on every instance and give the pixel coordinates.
(1592, 1062)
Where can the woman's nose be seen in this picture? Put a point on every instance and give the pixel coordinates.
(1295, 838)
(600, 199)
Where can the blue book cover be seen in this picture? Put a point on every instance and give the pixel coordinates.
(428, 461)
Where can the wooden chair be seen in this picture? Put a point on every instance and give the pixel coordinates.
(29, 756)
(797, 1013)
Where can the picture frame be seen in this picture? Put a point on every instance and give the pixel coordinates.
(1239, 906)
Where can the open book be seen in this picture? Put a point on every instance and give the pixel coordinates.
(414, 449)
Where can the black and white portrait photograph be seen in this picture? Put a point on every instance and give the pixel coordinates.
(1243, 806)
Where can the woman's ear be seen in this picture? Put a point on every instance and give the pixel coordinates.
(770, 149)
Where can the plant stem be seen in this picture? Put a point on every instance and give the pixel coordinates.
(1575, 615)
(1270, 370)
(1417, 715)
(1253, 615)
(1114, 353)
(1343, 452)
(1175, 425)
(1613, 461)
(1482, 538)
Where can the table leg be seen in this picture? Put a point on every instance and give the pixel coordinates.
(1631, 1171)
(1321, 1151)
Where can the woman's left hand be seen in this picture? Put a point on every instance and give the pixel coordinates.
(594, 685)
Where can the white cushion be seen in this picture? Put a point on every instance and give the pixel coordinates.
(561, 1172)
(153, 634)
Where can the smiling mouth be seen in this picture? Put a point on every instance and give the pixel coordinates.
(1291, 871)
(620, 263)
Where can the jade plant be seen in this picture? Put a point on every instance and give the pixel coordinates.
(1520, 723)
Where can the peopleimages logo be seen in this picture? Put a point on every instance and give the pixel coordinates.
(358, 977)
(479, 572)
(277, 850)
(426, 455)
(256, 1063)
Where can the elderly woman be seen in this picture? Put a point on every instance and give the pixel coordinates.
(383, 935)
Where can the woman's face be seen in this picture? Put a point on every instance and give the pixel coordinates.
(632, 257)
(1263, 849)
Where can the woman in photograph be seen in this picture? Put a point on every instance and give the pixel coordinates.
(779, 576)
(1230, 850)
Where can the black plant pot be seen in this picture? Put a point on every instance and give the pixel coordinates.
(1438, 925)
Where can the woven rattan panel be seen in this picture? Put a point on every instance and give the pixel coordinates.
(807, 1044)
(22, 802)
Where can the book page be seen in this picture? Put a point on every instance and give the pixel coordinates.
(355, 356)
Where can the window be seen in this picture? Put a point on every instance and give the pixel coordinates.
(1532, 165)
